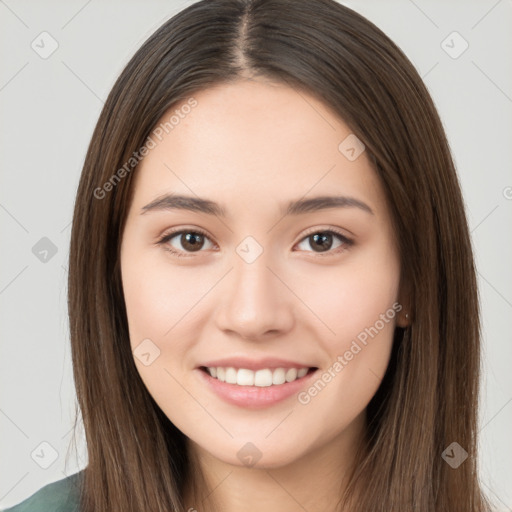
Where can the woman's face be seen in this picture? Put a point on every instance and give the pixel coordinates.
(231, 277)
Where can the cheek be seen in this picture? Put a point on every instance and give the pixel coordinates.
(158, 298)
(353, 297)
(146, 302)
(342, 391)
(159, 306)
(359, 305)
(358, 356)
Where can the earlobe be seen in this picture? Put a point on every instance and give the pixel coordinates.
(403, 319)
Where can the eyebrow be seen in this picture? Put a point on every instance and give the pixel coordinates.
(296, 207)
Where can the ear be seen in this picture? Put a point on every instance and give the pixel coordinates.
(405, 315)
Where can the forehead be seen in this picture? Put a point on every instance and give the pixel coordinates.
(253, 140)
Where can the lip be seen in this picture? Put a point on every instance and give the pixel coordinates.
(254, 397)
(256, 364)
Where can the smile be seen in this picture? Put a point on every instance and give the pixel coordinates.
(264, 377)
(257, 388)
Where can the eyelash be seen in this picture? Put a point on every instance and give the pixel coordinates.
(347, 242)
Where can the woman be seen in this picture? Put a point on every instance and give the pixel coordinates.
(272, 295)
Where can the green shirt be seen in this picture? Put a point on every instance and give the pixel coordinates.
(60, 496)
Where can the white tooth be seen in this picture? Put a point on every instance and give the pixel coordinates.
(231, 375)
(245, 377)
(278, 376)
(302, 372)
(221, 373)
(291, 374)
(263, 378)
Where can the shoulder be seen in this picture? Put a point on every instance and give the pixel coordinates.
(60, 496)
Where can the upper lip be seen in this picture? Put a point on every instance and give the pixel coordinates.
(255, 364)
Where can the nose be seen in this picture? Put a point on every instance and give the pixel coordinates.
(255, 301)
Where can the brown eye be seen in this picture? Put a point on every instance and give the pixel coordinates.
(322, 241)
(189, 241)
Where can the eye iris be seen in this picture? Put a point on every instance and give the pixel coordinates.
(323, 239)
(192, 241)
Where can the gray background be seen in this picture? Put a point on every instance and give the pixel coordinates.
(49, 107)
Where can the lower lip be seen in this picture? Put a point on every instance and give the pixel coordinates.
(254, 397)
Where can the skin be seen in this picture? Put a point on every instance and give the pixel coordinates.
(250, 146)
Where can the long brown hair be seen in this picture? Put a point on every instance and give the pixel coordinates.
(137, 459)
